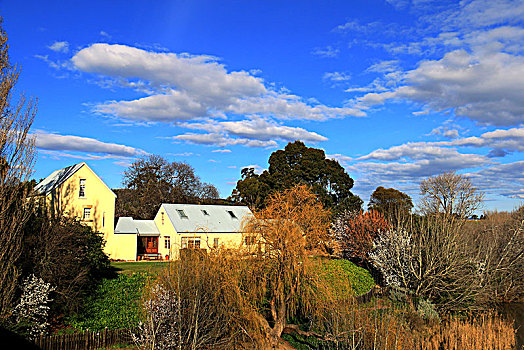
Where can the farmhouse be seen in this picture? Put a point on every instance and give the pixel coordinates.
(77, 191)
(180, 226)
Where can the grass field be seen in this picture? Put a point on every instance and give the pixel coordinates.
(130, 267)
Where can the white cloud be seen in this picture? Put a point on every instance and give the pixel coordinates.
(191, 86)
(384, 66)
(257, 129)
(221, 151)
(83, 144)
(221, 140)
(59, 46)
(500, 141)
(487, 89)
(328, 51)
(443, 130)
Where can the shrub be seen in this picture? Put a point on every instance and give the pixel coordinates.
(31, 313)
(426, 311)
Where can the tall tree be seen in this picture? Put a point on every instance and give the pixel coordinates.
(291, 227)
(298, 164)
(152, 180)
(393, 204)
(451, 194)
(16, 165)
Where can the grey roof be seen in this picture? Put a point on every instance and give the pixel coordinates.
(141, 227)
(57, 178)
(219, 219)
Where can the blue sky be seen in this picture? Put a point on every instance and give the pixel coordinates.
(395, 90)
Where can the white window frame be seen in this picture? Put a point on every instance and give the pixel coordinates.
(82, 188)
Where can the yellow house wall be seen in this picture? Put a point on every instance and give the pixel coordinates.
(65, 200)
(122, 246)
(225, 240)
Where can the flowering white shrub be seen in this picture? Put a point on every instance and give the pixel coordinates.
(393, 255)
(161, 327)
(33, 308)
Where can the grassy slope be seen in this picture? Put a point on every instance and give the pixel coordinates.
(345, 278)
(116, 302)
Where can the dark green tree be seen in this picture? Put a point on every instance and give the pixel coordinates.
(393, 204)
(299, 164)
(153, 180)
(66, 254)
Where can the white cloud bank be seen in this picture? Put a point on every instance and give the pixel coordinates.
(186, 87)
(83, 144)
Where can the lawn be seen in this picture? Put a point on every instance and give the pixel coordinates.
(130, 267)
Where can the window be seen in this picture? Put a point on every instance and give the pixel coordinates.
(162, 218)
(182, 214)
(205, 212)
(82, 188)
(87, 214)
(233, 216)
(215, 243)
(104, 219)
(249, 240)
(167, 242)
(190, 242)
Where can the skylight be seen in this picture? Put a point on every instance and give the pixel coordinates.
(233, 216)
(182, 214)
(205, 212)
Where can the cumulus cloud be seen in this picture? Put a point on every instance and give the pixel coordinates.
(222, 140)
(444, 131)
(59, 46)
(258, 129)
(487, 89)
(187, 87)
(500, 141)
(473, 62)
(83, 144)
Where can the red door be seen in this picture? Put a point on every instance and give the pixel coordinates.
(151, 245)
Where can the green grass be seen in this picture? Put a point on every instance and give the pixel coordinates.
(346, 278)
(115, 304)
(128, 268)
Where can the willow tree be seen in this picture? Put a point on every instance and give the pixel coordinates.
(284, 235)
(17, 153)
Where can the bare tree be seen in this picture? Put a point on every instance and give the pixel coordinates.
(16, 165)
(153, 180)
(451, 194)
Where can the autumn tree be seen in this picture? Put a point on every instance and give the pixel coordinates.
(16, 165)
(355, 233)
(393, 204)
(291, 228)
(298, 164)
(153, 180)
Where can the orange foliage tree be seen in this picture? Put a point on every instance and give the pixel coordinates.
(355, 233)
(285, 234)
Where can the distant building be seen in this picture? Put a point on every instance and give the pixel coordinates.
(76, 191)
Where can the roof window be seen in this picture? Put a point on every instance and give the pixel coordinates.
(233, 216)
(205, 212)
(182, 214)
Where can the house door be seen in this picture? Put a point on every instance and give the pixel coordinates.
(149, 245)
